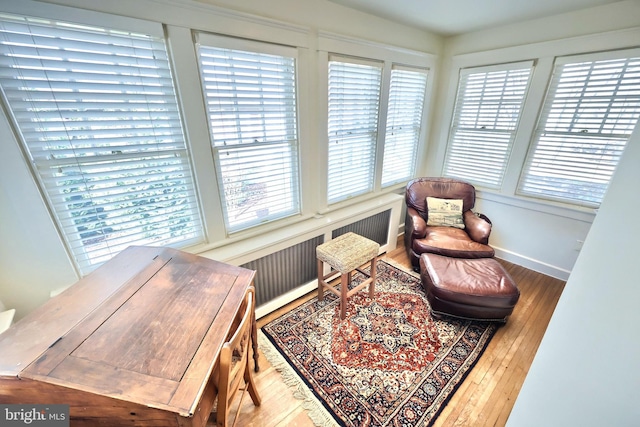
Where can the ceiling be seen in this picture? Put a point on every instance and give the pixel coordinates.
(450, 17)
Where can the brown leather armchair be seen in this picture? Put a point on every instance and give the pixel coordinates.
(472, 241)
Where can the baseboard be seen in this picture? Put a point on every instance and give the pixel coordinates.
(285, 299)
(532, 264)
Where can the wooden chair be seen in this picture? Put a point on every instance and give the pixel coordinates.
(234, 367)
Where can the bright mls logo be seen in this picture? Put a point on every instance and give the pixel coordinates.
(34, 415)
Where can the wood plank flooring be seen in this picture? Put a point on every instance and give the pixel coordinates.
(487, 395)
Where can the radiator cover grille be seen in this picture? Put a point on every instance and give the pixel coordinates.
(375, 227)
(282, 271)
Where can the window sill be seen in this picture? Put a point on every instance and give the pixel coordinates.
(260, 241)
(558, 209)
(397, 189)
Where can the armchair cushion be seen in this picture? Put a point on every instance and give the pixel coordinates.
(451, 242)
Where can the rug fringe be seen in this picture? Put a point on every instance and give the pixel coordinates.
(316, 411)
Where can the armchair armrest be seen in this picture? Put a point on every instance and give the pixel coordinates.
(414, 225)
(478, 227)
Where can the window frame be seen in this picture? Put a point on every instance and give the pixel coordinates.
(367, 138)
(215, 41)
(70, 230)
(573, 137)
(415, 111)
(456, 149)
(333, 44)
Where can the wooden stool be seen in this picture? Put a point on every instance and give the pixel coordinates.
(345, 254)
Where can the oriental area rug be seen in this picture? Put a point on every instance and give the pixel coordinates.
(388, 363)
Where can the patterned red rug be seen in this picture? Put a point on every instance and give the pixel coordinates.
(388, 363)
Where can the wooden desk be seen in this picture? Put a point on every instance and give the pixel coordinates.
(134, 343)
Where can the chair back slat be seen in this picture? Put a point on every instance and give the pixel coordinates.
(234, 362)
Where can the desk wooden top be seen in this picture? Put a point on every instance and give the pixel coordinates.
(146, 327)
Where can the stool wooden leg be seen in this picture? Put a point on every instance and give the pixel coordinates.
(372, 285)
(320, 280)
(344, 285)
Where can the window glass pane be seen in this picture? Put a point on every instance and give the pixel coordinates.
(251, 103)
(404, 122)
(591, 109)
(97, 113)
(485, 119)
(354, 97)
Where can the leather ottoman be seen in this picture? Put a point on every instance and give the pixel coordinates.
(479, 289)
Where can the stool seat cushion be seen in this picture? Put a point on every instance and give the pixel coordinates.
(347, 252)
(471, 288)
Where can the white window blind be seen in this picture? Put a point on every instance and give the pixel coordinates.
(97, 113)
(251, 103)
(486, 115)
(354, 99)
(591, 109)
(404, 123)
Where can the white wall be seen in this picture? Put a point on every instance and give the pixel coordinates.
(586, 371)
(33, 260)
(594, 20)
(540, 239)
(327, 16)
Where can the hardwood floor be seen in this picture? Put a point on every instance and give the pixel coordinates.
(486, 396)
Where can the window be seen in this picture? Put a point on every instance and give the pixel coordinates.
(354, 100)
(591, 109)
(360, 158)
(485, 120)
(250, 98)
(97, 114)
(404, 123)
